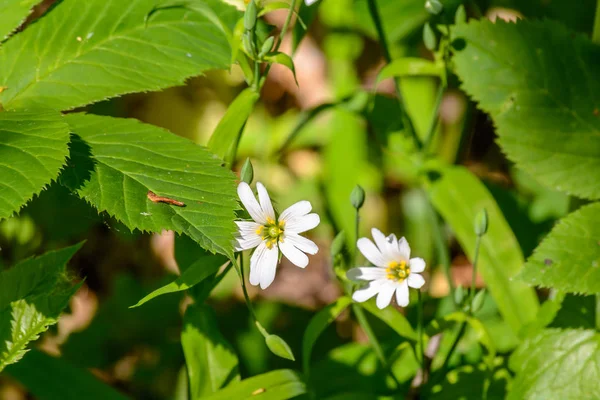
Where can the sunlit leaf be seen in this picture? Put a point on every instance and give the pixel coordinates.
(33, 148)
(568, 259)
(557, 364)
(459, 196)
(539, 83)
(393, 319)
(279, 384)
(115, 168)
(210, 360)
(14, 13)
(82, 52)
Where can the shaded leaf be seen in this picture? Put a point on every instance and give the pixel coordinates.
(33, 148)
(279, 347)
(114, 169)
(557, 364)
(14, 13)
(568, 259)
(50, 378)
(210, 360)
(468, 383)
(82, 52)
(459, 196)
(393, 319)
(539, 83)
(280, 384)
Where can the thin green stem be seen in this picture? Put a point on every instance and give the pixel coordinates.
(240, 270)
(420, 333)
(443, 254)
(596, 31)
(375, 16)
(284, 29)
(474, 273)
(434, 117)
(461, 332)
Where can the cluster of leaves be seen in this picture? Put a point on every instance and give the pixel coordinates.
(536, 79)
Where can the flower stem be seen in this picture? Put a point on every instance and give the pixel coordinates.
(474, 273)
(240, 270)
(420, 333)
(375, 16)
(442, 249)
(596, 31)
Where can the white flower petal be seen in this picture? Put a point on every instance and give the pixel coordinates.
(388, 246)
(249, 201)
(295, 256)
(302, 243)
(402, 296)
(269, 267)
(265, 201)
(366, 273)
(380, 240)
(256, 263)
(247, 242)
(415, 281)
(368, 291)
(416, 264)
(371, 252)
(247, 228)
(310, 2)
(298, 209)
(302, 224)
(385, 295)
(404, 248)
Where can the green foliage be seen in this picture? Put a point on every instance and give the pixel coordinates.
(558, 364)
(393, 319)
(14, 12)
(33, 147)
(459, 196)
(47, 378)
(115, 170)
(33, 293)
(538, 81)
(280, 384)
(469, 383)
(210, 360)
(568, 259)
(109, 51)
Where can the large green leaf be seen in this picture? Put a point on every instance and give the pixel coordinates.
(399, 18)
(569, 257)
(33, 147)
(14, 13)
(115, 162)
(393, 319)
(318, 324)
(557, 364)
(281, 384)
(50, 378)
(33, 293)
(539, 82)
(82, 52)
(459, 196)
(210, 360)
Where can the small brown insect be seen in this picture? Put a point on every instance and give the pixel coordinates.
(259, 391)
(153, 197)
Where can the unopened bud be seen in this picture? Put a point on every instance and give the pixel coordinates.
(429, 37)
(337, 245)
(478, 301)
(266, 47)
(247, 172)
(461, 15)
(250, 16)
(433, 6)
(481, 223)
(357, 197)
(459, 295)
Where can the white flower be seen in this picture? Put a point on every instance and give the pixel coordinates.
(270, 234)
(394, 270)
(310, 2)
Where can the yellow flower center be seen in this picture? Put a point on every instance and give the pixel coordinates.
(397, 271)
(271, 232)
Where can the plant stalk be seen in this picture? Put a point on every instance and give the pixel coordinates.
(420, 333)
(596, 31)
(474, 274)
(240, 270)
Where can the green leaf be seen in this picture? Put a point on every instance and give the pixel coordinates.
(211, 362)
(399, 18)
(557, 364)
(468, 383)
(281, 384)
(50, 378)
(114, 170)
(33, 293)
(191, 276)
(459, 196)
(279, 347)
(225, 138)
(568, 259)
(393, 319)
(306, 14)
(33, 148)
(283, 59)
(410, 66)
(318, 324)
(539, 83)
(82, 52)
(14, 13)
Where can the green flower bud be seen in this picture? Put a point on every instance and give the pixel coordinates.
(461, 15)
(429, 37)
(266, 47)
(481, 223)
(337, 246)
(357, 197)
(433, 6)
(478, 301)
(250, 16)
(248, 44)
(247, 172)
(459, 294)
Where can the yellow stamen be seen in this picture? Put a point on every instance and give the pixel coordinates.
(397, 271)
